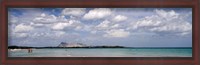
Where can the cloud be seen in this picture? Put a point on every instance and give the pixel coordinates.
(97, 13)
(21, 35)
(23, 28)
(88, 28)
(71, 24)
(36, 24)
(59, 33)
(115, 26)
(119, 33)
(45, 19)
(73, 11)
(60, 26)
(164, 22)
(13, 19)
(179, 28)
(37, 34)
(103, 25)
(166, 14)
(119, 18)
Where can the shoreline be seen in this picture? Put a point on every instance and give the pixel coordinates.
(99, 47)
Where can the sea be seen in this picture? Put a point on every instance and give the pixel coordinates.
(102, 52)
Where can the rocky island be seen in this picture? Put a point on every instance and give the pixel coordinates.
(81, 45)
(64, 44)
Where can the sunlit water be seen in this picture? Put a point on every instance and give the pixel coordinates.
(102, 52)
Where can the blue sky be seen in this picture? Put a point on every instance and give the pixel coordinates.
(131, 27)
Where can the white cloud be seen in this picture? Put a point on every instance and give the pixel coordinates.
(149, 21)
(182, 28)
(73, 11)
(61, 18)
(107, 25)
(59, 33)
(117, 33)
(36, 34)
(97, 13)
(78, 27)
(45, 19)
(60, 26)
(103, 25)
(115, 26)
(172, 14)
(71, 24)
(23, 28)
(119, 18)
(13, 19)
(88, 27)
(21, 35)
(36, 24)
(164, 22)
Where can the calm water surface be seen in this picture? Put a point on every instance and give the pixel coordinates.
(103, 52)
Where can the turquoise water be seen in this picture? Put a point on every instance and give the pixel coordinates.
(103, 52)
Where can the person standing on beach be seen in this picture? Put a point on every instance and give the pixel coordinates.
(30, 50)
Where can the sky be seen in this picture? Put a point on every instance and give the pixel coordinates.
(130, 27)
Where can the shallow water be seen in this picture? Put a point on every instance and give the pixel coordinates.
(103, 52)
